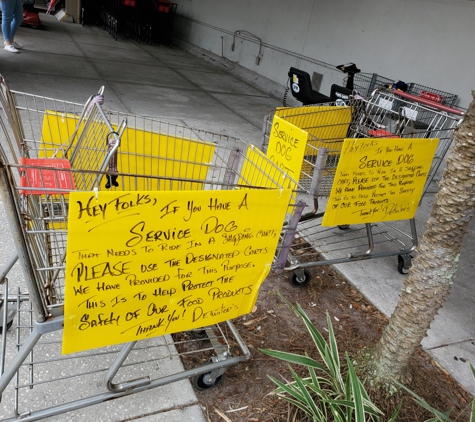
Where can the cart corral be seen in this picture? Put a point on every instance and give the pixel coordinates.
(129, 229)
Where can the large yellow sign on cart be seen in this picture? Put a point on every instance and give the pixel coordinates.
(379, 179)
(143, 264)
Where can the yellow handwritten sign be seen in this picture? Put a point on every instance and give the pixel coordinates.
(379, 180)
(143, 264)
(286, 148)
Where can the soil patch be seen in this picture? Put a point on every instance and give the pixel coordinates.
(243, 393)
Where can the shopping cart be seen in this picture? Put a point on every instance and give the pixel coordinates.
(395, 113)
(388, 115)
(163, 21)
(431, 94)
(151, 158)
(365, 83)
(136, 19)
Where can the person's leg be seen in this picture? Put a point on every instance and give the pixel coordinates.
(7, 17)
(17, 17)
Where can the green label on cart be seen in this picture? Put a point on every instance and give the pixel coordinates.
(144, 264)
(379, 179)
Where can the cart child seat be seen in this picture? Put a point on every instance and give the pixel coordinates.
(301, 87)
(339, 94)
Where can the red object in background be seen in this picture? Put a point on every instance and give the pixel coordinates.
(130, 3)
(31, 19)
(380, 133)
(162, 6)
(51, 6)
(431, 96)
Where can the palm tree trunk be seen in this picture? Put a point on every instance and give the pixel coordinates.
(431, 276)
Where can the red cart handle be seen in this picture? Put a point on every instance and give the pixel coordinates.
(425, 101)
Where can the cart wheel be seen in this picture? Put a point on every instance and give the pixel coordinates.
(400, 264)
(9, 325)
(344, 226)
(198, 334)
(202, 382)
(401, 269)
(301, 280)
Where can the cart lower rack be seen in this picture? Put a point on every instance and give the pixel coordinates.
(47, 383)
(39, 371)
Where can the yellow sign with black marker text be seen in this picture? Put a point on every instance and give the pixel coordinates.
(287, 144)
(144, 264)
(379, 180)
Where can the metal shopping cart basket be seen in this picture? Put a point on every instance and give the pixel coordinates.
(388, 115)
(366, 83)
(151, 160)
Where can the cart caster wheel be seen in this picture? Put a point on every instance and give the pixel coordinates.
(10, 317)
(202, 382)
(400, 264)
(301, 280)
(198, 334)
(401, 269)
(344, 226)
(9, 325)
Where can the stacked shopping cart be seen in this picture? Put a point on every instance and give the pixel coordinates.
(387, 118)
(62, 165)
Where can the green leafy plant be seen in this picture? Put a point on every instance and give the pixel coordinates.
(329, 394)
(438, 416)
(326, 393)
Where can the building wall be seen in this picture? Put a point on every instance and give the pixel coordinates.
(429, 42)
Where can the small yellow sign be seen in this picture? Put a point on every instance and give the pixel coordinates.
(379, 179)
(287, 144)
(143, 264)
(297, 133)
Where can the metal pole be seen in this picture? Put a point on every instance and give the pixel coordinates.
(7, 197)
